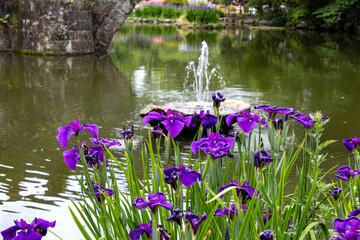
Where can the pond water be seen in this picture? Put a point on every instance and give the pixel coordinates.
(146, 64)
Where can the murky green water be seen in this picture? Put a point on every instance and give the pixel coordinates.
(307, 71)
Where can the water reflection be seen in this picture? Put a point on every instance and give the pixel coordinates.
(307, 71)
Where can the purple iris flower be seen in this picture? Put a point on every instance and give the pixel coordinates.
(207, 120)
(347, 228)
(187, 176)
(346, 172)
(142, 228)
(336, 192)
(246, 191)
(106, 142)
(157, 132)
(355, 212)
(303, 119)
(351, 143)
(128, 133)
(278, 123)
(266, 235)
(176, 216)
(164, 235)
(266, 219)
(173, 122)
(227, 211)
(272, 111)
(71, 157)
(155, 200)
(195, 220)
(215, 145)
(261, 157)
(217, 100)
(99, 191)
(245, 120)
(33, 231)
(66, 132)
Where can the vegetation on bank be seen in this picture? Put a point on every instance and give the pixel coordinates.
(338, 15)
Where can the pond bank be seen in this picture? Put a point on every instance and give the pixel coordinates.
(225, 22)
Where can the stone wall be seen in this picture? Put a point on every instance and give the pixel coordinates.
(62, 26)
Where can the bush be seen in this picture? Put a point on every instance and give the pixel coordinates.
(171, 12)
(202, 15)
(177, 2)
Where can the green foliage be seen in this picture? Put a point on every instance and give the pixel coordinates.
(4, 21)
(202, 15)
(171, 12)
(177, 2)
(158, 11)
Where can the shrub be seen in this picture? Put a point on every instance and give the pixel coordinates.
(177, 2)
(202, 15)
(171, 12)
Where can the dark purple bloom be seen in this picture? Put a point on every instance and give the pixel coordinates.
(266, 218)
(347, 228)
(207, 120)
(236, 135)
(99, 191)
(215, 145)
(246, 191)
(266, 235)
(278, 123)
(106, 142)
(187, 176)
(272, 111)
(142, 228)
(336, 192)
(164, 235)
(33, 231)
(351, 143)
(173, 122)
(175, 216)
(157, 132)
(217, 100)
(128, 133)
(71, 157)
(155, 200)
(227, 211)
(261, 157)
(94, 155)
(354, 213)
(66, 132)
(346, 172)
(194, 220)
(303, 119)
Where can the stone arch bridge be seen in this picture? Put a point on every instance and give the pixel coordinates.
(60, 27)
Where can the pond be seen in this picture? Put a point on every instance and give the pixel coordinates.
(147, 64)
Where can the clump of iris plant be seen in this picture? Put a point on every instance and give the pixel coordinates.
(261, 157)
(188, 176)
(346, 172)
(33, 231)
(351, 143)
(217, 99)
(173, 122)
(194, 220)
(215, 145)
(207, 120)
(128, 133)
(304, 119)
(74, 128)
(347, 228)
(266, 235)
(246, 191)
(335, 193)
(154, 201)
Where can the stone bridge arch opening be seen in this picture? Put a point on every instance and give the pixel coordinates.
(61, 27)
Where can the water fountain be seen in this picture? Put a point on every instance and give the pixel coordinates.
(197, 83)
